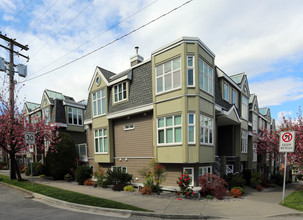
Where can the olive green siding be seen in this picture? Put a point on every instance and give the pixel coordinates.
(182, 101)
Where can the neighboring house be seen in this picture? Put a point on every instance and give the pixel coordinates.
(177, 107)
(65, 112)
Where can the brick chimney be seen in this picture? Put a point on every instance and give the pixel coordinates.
(134, 60)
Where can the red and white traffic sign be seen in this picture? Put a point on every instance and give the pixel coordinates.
(287, 141)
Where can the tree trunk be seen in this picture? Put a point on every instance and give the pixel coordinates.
(18, 171)
(12, 166)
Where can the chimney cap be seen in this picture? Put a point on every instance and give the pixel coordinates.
(137, 50)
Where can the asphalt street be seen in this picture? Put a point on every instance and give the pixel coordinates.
(15, 205)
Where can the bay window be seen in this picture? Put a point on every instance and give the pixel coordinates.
(99, 107)
(168, 76)
(206, 130)
(169, 130)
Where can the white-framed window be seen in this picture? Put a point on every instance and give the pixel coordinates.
(235, 97)
(46, 114)
(169, 130)
(168, 75)
(255, 155)
(190, 172)
(244, 109)
(229, 169)
(101, 145)
(120, 92)
(255, 122)
(75, 116)
(99, 106)
(129, 127)
(225, 91)
(82, 151)
(205, 169)
(244, 141)
(191, 128)
(121, 168)
(190, 71)
(205, 77)
(206, 130)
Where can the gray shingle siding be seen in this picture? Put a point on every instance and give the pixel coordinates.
(88, 110)
(140, 89)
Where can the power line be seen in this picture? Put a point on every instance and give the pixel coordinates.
(117, 39)
(64, 27)
(38, 18)
(19, 13)
(55, 20)
(97, 35)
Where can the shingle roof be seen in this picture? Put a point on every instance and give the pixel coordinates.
(263, 111)
(218, 98)
(106, 73)
(31, 106)
(237, 78)
(251, 98)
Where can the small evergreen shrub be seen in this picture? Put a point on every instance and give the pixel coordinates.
(236, 180)
(82, 173)
(209, 197)
(118, 178)
(277, 179)
(246, 174)
(37, 169)
(183, 183)
(68, 178)
(129, 188)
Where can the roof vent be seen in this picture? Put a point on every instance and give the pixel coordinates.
(134, 60)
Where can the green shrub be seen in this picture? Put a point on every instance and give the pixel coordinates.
(234, 180)
(68, 178)
(37, 169)
(209, 197)
(83, 173)
(277, 179)
(62, 159)
(129, 188)
(254, 184)
(102, 184)
(118, 178)
(242, 190)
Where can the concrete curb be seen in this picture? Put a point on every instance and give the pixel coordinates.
(103, 211)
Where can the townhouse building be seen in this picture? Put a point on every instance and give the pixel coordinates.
(65, 112)
(177, 107)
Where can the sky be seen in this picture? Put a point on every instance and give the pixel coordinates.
(264, 39)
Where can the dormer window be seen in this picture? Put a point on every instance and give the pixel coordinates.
(75, 116)
(226, 91)
(120, 92)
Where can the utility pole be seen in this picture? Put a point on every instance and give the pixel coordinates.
(12, 43)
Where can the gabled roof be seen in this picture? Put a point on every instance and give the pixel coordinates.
(105, 75)
(263, 111)
(251, 98)
(31, 106)
(237, 78)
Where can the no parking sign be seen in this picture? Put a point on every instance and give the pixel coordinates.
(287, 141)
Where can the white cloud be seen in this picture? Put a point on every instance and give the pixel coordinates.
(278, 91)
(281, 115)
(246, 36)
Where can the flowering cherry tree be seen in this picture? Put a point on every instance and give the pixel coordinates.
(13, 125)
(268, 141)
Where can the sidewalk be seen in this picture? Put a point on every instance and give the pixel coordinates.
(254, 205)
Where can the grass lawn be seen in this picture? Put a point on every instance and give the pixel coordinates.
(69, 196)
(295, 200)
